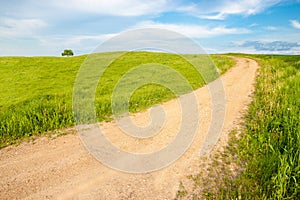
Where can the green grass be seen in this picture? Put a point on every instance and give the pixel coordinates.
(23, 78)
(36, 92)
(270, 146)
(261, 161)
(273, 129)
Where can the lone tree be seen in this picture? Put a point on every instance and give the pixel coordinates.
(67, 52)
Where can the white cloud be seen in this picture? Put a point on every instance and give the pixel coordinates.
(20, 27)
(86, 43)
(215, 9)
(271, 46)
(73, 41)
(265, 47)
(271, 28)
(114, 7)
(72, 24)
(219, 10)
(247, 7)
(253, 25)
(295, 24)
(193, 31)
(81, 38)
(219, 16)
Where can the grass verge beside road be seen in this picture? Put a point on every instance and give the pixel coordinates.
(265, 155)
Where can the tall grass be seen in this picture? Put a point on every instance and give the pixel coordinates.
(270, 147)
(34, 116)
(36, 93)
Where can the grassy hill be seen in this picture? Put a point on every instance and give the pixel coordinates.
(36, 92)
(36, 96)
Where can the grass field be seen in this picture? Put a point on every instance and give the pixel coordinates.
(272, 141)
(269, 148)
(36, 92)
(36, 96)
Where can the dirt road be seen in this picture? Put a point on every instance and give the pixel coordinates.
(62, 168)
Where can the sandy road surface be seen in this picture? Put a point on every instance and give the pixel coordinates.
(61, 168)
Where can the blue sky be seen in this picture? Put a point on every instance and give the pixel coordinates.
(31, 27)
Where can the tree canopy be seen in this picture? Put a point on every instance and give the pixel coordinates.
(67, 52)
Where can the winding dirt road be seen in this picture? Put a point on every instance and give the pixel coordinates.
(62, 168)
